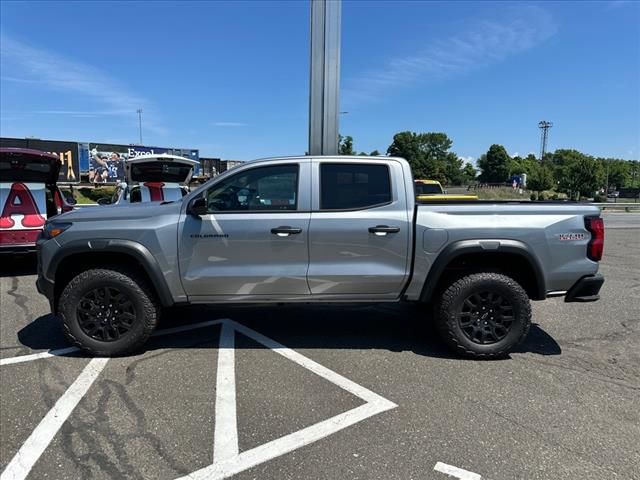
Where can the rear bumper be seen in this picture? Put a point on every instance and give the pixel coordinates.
(13, 249)
(586, 289)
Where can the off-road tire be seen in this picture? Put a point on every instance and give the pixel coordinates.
(451, 302)
(129, 282)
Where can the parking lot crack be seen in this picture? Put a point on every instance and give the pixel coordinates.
(528, 429)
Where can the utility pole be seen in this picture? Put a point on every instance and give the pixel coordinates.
(324, 85)
(140, 123)
(544, 126)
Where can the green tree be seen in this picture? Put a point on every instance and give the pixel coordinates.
(469, 172)
(617, 172)
(345, 145)
(429, 155)
(581, 176)
(375, 153)
(540, 179)
(494, 165)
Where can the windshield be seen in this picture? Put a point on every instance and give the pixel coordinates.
(428, 188)
(160, 171)
(18, 167)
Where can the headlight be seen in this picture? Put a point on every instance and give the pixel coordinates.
(53, 229)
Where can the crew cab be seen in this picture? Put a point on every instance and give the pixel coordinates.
(318, 229)
(154, 178)
(29, 195)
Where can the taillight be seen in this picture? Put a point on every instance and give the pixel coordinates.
(595, 225)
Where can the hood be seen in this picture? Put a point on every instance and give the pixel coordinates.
(26, 165)
(159, 168)
(136, 211)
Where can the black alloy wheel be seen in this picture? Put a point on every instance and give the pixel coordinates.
(486, 317)
(106, 313)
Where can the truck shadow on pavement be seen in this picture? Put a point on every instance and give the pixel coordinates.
(390, 327)
(18, 265)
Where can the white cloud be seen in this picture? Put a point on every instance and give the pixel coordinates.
(230, 124)
(485, 43)
(36, 66)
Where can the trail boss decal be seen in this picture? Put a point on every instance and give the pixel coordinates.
(572, 236)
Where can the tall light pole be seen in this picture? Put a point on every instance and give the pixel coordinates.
(324, 85)
(544, 126)
(140, 123)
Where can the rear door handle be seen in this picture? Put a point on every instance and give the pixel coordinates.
(382, 230)
(285, 231)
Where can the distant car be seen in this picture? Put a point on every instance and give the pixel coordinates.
(431, 190)
(613, 194)
(29, 195)
(154, 178)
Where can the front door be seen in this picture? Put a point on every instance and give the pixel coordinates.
(253, 239)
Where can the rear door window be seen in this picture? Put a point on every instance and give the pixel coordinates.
(351, 186)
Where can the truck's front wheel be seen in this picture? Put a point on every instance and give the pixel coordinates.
(108, 312)
(484, 315)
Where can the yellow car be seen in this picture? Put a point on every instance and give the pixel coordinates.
(431, 190)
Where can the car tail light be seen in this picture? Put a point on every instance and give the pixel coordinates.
(595, 225)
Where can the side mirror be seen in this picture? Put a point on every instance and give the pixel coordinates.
(104, 201)
(197, 207)
(71, 200)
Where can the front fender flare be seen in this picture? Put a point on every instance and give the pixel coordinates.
(128, 247)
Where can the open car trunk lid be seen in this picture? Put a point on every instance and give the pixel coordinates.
(25, 165)
(159, 168)
(24, 176)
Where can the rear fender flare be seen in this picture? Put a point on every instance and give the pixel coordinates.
(490, 246)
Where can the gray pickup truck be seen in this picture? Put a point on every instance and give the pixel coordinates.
(318, 229)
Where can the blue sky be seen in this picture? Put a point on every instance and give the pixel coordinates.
(232, 78)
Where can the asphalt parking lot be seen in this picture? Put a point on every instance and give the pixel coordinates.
(330, 392)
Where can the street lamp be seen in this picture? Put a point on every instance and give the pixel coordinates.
(139, 111)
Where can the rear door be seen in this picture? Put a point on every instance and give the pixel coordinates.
(253, 240)
(360, 231)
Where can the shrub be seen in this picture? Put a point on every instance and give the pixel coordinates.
(533, 196)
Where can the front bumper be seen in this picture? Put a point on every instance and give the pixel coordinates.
(45, 286)
(586, 289)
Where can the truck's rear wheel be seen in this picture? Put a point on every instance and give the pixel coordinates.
(108, 312)
(483, 315)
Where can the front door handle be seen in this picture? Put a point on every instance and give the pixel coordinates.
(285, 231)
(382, 230)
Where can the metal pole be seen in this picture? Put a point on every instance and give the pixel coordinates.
(140, 123)
(544, 126)
(324, 86)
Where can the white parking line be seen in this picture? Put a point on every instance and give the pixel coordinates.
(38, 356)
(64, 351)
(227, 465)
(456, 472)
(225, 436)
(227, 458)
(41, 437)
